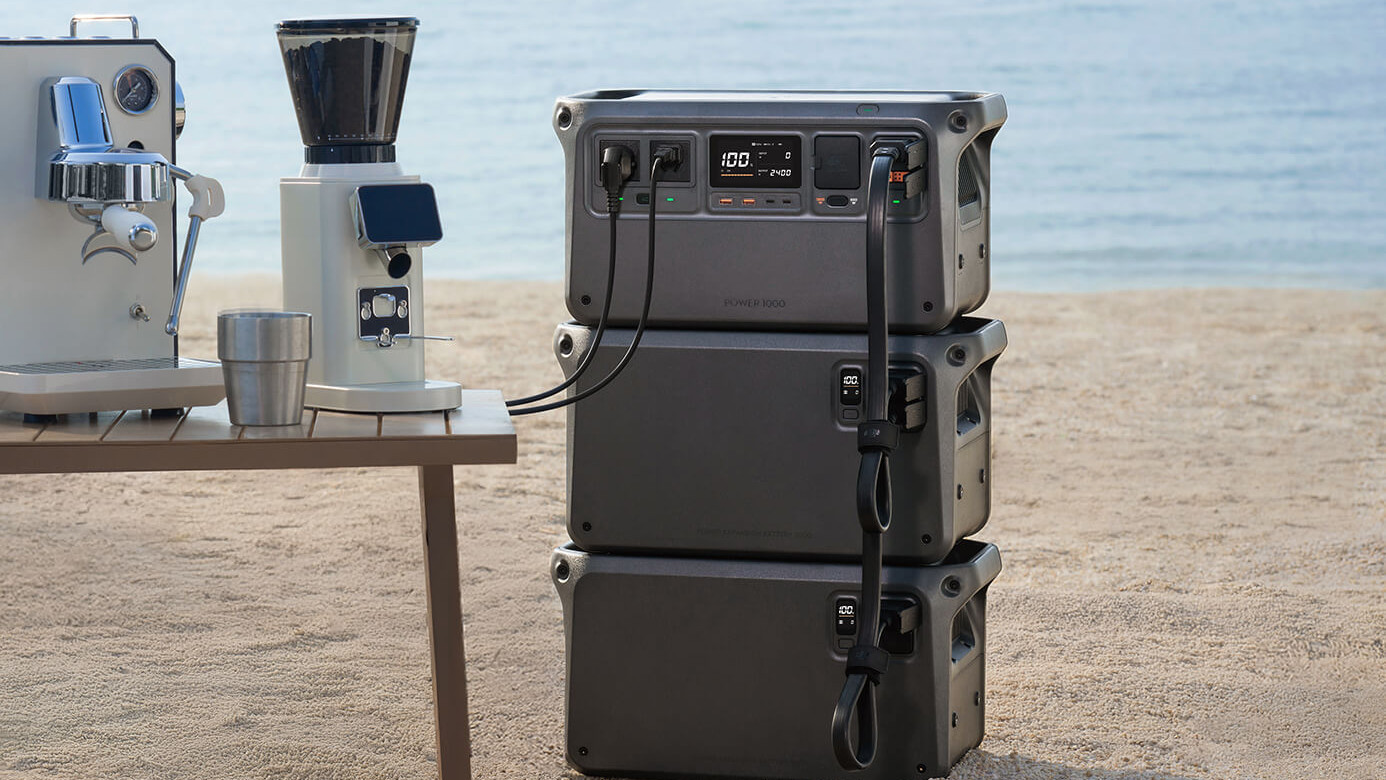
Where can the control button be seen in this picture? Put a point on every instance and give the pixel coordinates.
(643, 198)
(383, 305)
(843, 643)
(838, 160)
(837, 201)
(849, 414)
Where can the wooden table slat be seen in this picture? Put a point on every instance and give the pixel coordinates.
(136, 426)
(422, 424)
(78, 427)
(482, 412)
(299, 431)
(345, 425)
(14, 429)
(207, 423)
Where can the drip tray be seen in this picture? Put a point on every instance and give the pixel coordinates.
(73, 387)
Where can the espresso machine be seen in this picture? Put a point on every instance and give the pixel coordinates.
(87, 204)
(353, 224)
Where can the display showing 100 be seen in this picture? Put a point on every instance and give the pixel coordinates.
(735, 159)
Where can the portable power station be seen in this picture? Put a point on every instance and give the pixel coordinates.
(734, 443)
(714, 668)
(761, 222)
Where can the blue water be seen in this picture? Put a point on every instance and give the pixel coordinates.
(1151, 143)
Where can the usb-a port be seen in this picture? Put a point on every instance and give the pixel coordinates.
(748, 201)
(725, 201)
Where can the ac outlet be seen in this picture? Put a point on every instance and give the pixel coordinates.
(631, 146)
(683, 172)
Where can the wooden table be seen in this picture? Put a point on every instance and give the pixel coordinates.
(479, 431)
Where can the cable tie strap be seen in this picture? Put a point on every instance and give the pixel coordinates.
(868, 660)
(877, 436)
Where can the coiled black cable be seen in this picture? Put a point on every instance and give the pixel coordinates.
(876, 438)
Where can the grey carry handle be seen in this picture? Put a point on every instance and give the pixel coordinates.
(964, 361)
(960, 585)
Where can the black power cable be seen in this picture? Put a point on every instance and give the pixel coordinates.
(876, 438)
(616, 167)
(666, 158)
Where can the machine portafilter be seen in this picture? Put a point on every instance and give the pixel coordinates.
(107, 185)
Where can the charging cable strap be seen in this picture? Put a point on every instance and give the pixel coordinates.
(876, 439)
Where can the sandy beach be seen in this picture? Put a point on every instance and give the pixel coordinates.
(1189, 497)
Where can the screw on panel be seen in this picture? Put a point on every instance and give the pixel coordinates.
(565, 345)
(977, 698)
(565, 118)
(957, 356)
(562, 571)
(952, 587)
(982, 476)
(586, 526)
(928, 306)
(960, 492)
(957, 122)
(586, 300)
(955, 720)
(582, 751)
(926, 538)
(960, 261)
(982, 251)
(922, 769)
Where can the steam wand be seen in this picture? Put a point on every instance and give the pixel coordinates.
(208, 202)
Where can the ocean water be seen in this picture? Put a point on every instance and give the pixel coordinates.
(1151, 143)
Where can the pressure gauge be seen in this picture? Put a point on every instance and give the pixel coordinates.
(136, 89)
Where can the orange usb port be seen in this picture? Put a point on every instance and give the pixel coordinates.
(725, 201)
(748, 201)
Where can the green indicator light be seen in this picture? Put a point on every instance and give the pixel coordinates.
(896, 201)
(621, 198)
(671, 200)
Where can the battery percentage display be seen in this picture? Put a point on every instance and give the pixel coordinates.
(755, 161)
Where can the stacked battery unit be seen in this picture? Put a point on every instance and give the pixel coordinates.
(720, 572)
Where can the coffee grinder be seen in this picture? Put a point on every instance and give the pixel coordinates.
(352, 223)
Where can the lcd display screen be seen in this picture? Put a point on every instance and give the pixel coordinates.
(398, 214)
(755, 161)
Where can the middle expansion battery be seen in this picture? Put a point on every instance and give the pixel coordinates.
(743, 444)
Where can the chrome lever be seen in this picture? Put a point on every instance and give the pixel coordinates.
(425, 338)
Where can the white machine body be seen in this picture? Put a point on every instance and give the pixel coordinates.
(84, 329)
(326, 273)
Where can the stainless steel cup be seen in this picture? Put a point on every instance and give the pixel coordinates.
(264, 360)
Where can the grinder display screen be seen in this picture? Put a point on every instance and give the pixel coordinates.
(755, 161)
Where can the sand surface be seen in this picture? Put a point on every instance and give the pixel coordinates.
(1190, 500)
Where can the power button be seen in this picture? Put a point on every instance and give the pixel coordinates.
(837, 201)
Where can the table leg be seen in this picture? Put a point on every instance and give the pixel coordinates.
(445, 622)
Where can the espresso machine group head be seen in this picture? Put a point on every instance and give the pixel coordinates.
(353, 224)
(87, 193)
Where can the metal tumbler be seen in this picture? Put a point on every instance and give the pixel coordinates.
(264, 360)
